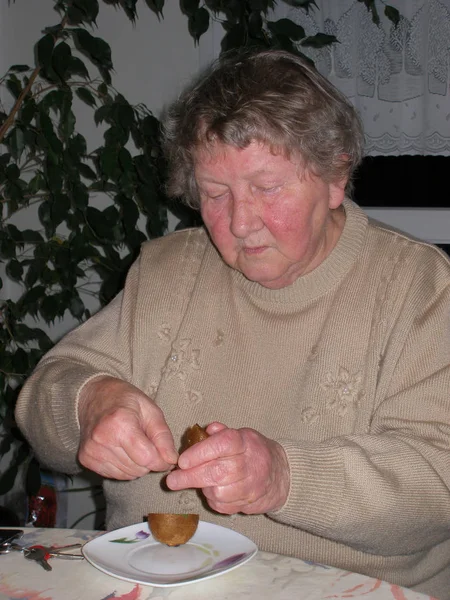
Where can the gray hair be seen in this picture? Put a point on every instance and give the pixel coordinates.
(270, 96)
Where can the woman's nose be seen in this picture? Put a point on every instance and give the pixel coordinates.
(245, 217)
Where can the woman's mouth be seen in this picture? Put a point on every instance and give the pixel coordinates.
(254, 250)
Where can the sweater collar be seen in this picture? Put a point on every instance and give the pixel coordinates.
(332, 270)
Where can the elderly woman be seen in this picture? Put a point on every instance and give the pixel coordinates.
(313, 342)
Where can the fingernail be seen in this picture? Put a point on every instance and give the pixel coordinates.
(182, 464)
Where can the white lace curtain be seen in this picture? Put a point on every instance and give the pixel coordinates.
(397, 78)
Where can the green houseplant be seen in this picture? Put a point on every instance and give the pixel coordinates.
(94, 206)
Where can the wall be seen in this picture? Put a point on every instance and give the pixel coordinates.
(431, 224)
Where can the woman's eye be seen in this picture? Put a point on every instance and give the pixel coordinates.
(217, 196)
(271, 189)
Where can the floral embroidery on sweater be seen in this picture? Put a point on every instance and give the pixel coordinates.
(152, 390)
(345, 389)
(309, 415)
(182, 358)
(188, 500)
(193, 397)
(219, 338)
(165, 332)
(312, 357)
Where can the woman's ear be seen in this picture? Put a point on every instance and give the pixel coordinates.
(337, 188)
(337, 193)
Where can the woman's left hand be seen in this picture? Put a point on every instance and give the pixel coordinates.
(238, 470)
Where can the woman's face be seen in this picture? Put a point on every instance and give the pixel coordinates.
(270, 219)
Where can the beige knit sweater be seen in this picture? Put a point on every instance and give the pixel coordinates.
(348, 368)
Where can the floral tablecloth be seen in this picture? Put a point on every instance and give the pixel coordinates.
(266, 576)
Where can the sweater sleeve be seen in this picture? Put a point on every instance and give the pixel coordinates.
(46, 410)
(387, 492)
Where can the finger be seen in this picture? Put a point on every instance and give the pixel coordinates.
(225, 443)
(163, 442)
(215, 427)
(111, 471)
(142, 452)
(111, 463)
(182, 480)
(232, 509)
(129, 439)
(236, 493)
(246, 506)
(215, 473)
(160, 435)
(225, 509)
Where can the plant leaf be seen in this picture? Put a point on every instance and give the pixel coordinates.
(49, 134)
(32, 274)
(8, 478)
(108, 161)
(14, 233)
(45, 343)
(87, 172)
(7, 248)
(287, 27)
(97, 50)
(189, 7)
(31, 299)
(130, 216)
(86, 96)
(20, 361)
(19, 68)
(77, 67)
(14, 270)
(12, 172)
(44, 51)
(304, 4)
(198, 23)
(97, 223)
(45, 215)
(14, 86)
(259, 5)
(50, 309)
(89, 8)
(111, 286)
(125, 116)
(28, 111)
(16, 142)
(61, 59)
(156, 6)
(76, 307)
(217, 5)
(319, 40)
(392, 14)
(255, 24)
(79, 195)
(59, 209)
(234, 38)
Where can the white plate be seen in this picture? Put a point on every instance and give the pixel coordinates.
(131, 553)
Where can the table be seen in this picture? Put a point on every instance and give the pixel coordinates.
(266, 576)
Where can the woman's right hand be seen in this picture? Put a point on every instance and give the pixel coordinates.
(123, 432)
